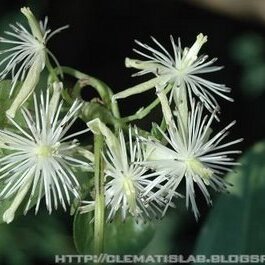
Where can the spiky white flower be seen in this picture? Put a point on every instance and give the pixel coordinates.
(26, 59)
(126, 181)
(38, 160)
(181, 70)
(125, 178)
(191, 155)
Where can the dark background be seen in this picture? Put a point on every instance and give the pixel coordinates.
(102, 34)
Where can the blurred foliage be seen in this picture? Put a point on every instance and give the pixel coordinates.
(236, 223)
(34, 240)
(163, 237)
(121, 237)
(248, 50)
(5, 101)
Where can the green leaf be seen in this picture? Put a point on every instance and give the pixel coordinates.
(248, 49)
(127, 237)
(236, 223)
(4, 204)
(163, 239)
(5, 101)
(86, 181)
(83, 232)
(253, 80)
(93, 110)
(46, 234)
(120, 237)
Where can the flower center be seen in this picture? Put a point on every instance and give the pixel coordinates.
(197, 167)
(39, 47)
(44, 151)
(130, 193)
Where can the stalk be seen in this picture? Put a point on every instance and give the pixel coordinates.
(99, 198)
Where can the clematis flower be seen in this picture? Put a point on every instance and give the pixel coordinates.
(191, 156)
(39, 160)
(181, 70)
(126, 180)
(26, 59)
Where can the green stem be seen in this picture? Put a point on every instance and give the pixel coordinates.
(99, 198)
(182, 106)
(53, 75)
(140, 114)
(140, 88)
(104, 91)
(163, 125)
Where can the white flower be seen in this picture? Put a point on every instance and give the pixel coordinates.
(39, 160)
(126, 182)
(26, 59)
(125, 179)
(182, 70)
(192, 156)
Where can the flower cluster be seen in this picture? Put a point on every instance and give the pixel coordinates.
(188, 149)
(37, 160)
(136, 173)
